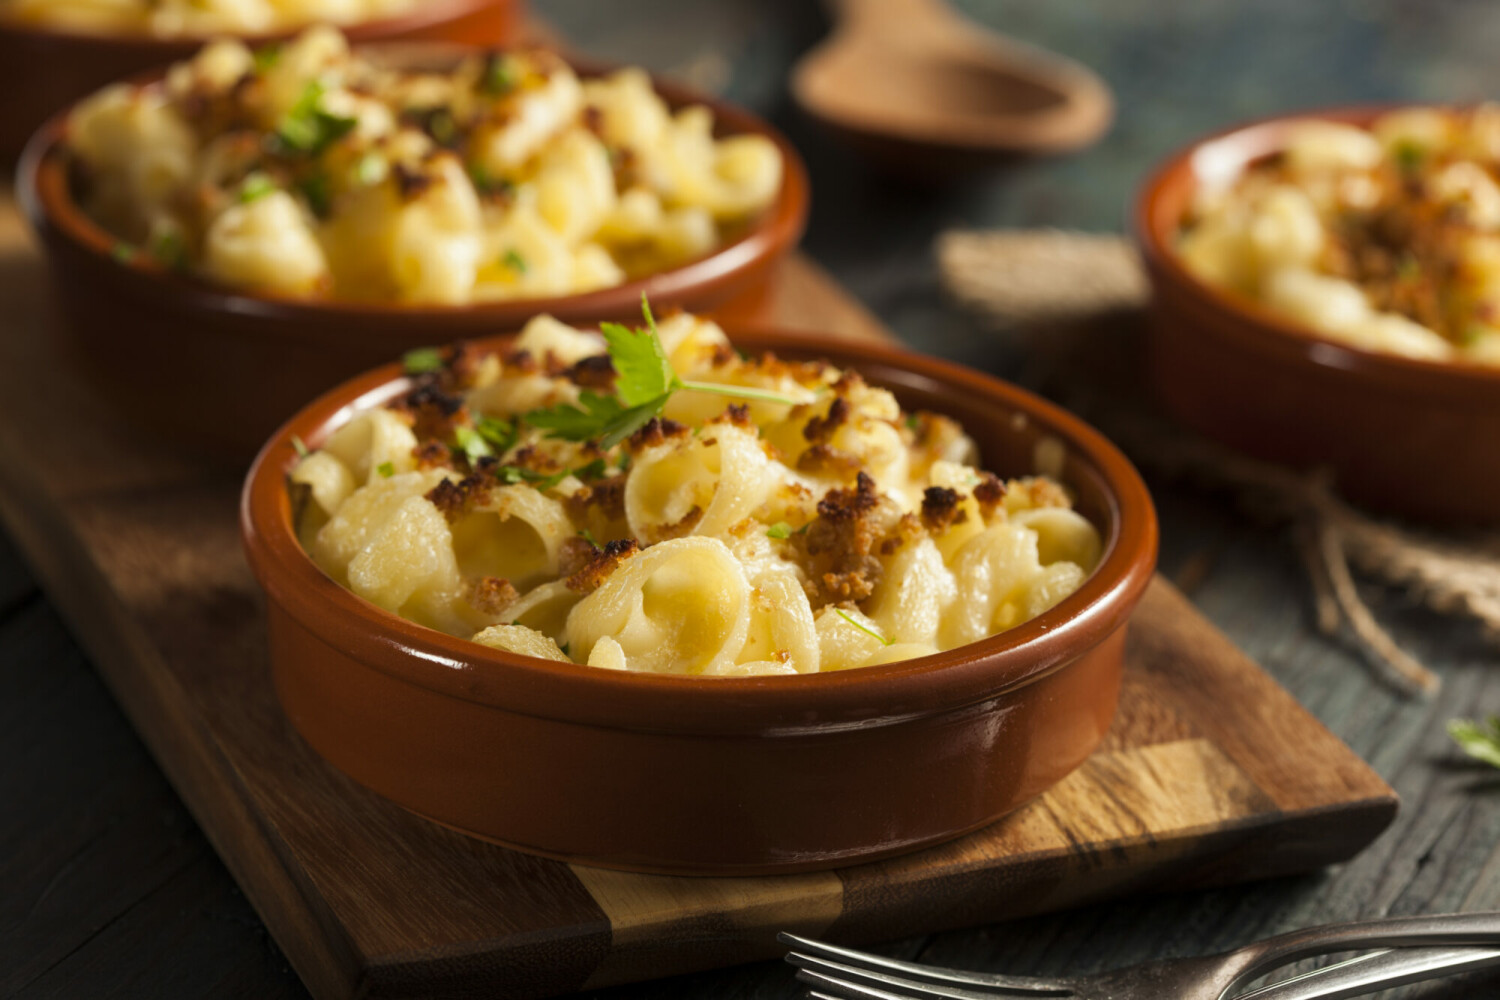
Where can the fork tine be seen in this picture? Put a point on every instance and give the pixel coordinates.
(936, 974)
(885, 984)
(844, 990)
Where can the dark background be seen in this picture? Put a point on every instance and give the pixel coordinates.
(108, 889)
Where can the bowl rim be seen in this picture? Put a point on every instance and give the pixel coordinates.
(420, 15)
(851, 699)
(1153, 233)
(45, 197)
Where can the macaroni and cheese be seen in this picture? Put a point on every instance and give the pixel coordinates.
(172, 18)
(307, 171)
(805, 523)
(1386, 238)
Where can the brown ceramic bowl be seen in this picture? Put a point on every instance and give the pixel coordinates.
(218, 370)
(693, 775)
(1417, 438)
(43, 69)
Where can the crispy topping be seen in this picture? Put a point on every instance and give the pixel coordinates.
(410, 183)
(433, 413)
(575, 554)
(606, 496)
(431, 454)
(826, 459)
(601, 564)
(940, 508)
(840, 544)
(990, 492)
(597, 373)
(491, 595)
(656, 431)
(819, 430)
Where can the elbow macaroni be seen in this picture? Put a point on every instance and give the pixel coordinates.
(1385, 238)
(306, 171)
(759, 539)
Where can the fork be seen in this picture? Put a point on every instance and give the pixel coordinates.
(836, 972)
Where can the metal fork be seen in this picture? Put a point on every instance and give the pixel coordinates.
(835, 972)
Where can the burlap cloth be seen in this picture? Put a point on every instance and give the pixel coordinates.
(1076, 299)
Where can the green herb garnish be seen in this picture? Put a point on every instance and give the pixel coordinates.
(267, 56)
(644, 381)
(255, 186)
(471, 444)
(779, 530)
(487, 183)
(588, 536)
(863, 628)
(912, 422)
(498, 434)
(299, 447)
(594, 470)
(1480, 740)
(1409, 156)
(123, 252)
(371, 169)
(500, 76)
(422, 360)
(514, 261)
(169, 249)
(307, 127)
(386, 469)
(319, 194)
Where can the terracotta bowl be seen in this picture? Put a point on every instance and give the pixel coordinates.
(43, 69)
(166, 349)
(693, 775)
(1417, 438)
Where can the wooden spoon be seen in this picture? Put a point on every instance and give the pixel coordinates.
(917, 85)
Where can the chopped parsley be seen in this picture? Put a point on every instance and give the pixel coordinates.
(308, 127)
(588, 536)
(514, 261)
(500, 76)
(471, 444)
(863, 628)
(299, 447)
(123, 252)
(169, 249)
(499, 434)
(1409, 156)
(267, 56)
(487, 183)
(422, 360)
(371, 169)
(319, 194)
(1480, 740)
(594, 470)
(644, 381)
(386, 469)
(255, 186)
(779, 530)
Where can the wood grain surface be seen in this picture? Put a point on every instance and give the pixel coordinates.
(139, 548)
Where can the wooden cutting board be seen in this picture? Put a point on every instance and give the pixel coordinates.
(1211, 774)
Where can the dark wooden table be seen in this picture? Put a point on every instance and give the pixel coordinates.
(108, 889)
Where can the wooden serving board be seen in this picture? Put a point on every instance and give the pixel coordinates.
(1211, 774)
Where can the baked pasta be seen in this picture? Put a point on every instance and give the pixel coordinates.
(173, 18)
(1386, 238)
(307, 171)
(617, 510)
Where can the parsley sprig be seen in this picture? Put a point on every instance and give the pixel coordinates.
(644, 381)
(310, 128)
(1480, 740)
